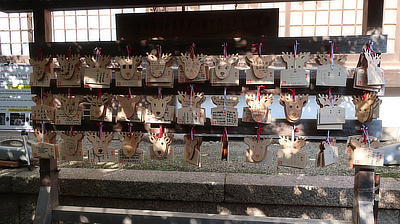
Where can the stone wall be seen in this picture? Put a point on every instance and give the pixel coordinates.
(315, 197)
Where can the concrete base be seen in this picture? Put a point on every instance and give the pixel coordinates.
(307, 197)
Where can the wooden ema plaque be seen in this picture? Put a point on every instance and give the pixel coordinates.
(69, 75)
(259, 106)
(331, 75)
(42, 113)
(227, 116)
(224, 73)
(368, 157)
(129, 74)
(202, 77)
(45, 150)
(159, 110)
(128, 105)
(293, 107)
(328, 153)
(71, 148)
(137, 158)
(101, 152)
(99, 107)
(365, 106)
(42, 72)
(191, 150)
(292, 156)
(130, 142)
(247, 117)
(137, 117)
(161, 149)
(295, 75)
(258, 150)
(375, 74)
(191, 66)
(191, 113)
(62, 119)
(367, 153)
(97, 78)
(259, 72)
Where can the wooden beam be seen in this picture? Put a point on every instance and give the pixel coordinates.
(42, 26)
(23, 5)
(372, 17)
(110, 215)
(345, 44)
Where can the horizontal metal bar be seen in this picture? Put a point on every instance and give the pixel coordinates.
(109, 215)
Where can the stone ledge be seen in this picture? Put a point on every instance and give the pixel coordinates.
(323, 191)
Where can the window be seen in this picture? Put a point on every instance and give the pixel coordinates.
(16, 31)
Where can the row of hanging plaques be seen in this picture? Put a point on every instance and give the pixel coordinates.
(219, 70)
(361, 150)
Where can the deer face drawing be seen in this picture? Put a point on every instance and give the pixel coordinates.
(130, 142)
(158, 106)
(71, 142)
(223, 65)
(128, 66)
(70, 105)
(161, 144)
(68, 65)
(293, 108)
(98, 105)
(100, 144)
(259, 107)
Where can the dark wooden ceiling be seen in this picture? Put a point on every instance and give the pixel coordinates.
(29, 5)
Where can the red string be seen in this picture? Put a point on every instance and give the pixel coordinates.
(293, 93)
(39, 52)
(365, 93)
(192, 133)
(259, 91)
(225, 50)
(69, 52)
(159, 50)
(365, 133)
(101, 125)
(98, 93)
(371, 50)
(259, 47)
(72, 128)
(128, 50)
(161, 131)
(259, 131)
(192, 49)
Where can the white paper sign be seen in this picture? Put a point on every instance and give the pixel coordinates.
(369, 157)
(331, 76)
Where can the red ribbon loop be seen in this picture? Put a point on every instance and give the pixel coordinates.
(39, 52)
(259, 131)
(293, 93)
(225, 50)
(128, 50)
(101, 125)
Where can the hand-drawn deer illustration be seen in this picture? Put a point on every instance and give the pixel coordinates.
(357, 143)
(301, 59)
(128, 105)
(157, 65)
(130, 142)
(47, 99)
(372, 60)
(99, 105)
(259, 65)
(39, 67)
(70, 106)
(230, 102)
(100, 144)
(197, 99)
(71, 141)
(104, 61)
(323, 100)
(259, 107)
(365, 106)
(49, 136)
(161, 144)
(286, 142)
(293, 108)
(257, 149)
(223, 65)
(191, 146)
(158, 106)
(192, 65)
(128, 66)
(68, 65)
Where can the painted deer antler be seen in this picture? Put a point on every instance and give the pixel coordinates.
(128, 105)
(259, 65)
(39, 67)
(128, 66)
(71, 142)
(161, 144)
(197, 99)
(100, 144)
(47, 99)
(293, 108)
(286, 142)
(325, 59)
(301, 59)
(103, 62)
(323, 100)
(372, 60)
(68, 65)
(130, 142)
(69, 105)
(49, 136)
(219, 101)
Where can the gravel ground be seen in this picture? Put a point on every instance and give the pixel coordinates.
(210, 160)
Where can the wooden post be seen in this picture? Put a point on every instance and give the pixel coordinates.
(372, 17)
(363, 195)
(48, 195)
(376, 196)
